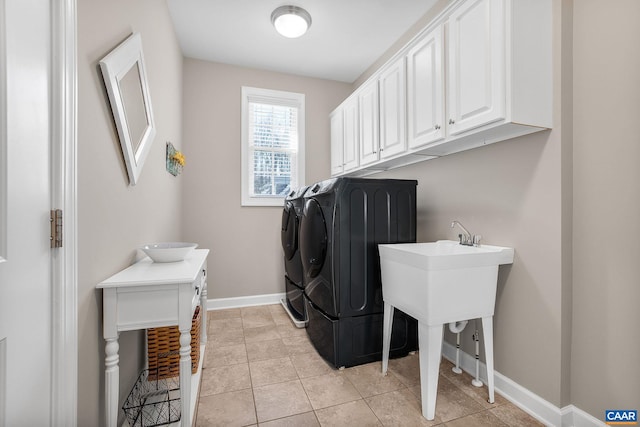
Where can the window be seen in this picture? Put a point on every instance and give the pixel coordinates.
(272, 145)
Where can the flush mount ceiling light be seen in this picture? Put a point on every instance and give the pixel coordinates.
(291, 21)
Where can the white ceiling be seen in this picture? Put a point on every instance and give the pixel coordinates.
(345, 38)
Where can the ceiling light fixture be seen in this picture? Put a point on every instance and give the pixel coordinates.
(291, 21)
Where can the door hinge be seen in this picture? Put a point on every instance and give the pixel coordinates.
(56, 228)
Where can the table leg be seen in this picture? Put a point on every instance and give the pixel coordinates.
(487, 331)
(386, 336)
(430, 343)
(185, 376)
(111, 380)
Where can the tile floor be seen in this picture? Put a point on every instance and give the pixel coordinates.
(260, 370)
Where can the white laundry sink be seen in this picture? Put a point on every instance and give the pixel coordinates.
(443, 281)
(438, 283)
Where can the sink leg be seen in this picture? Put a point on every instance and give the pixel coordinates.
(430, 343)
(487, 330)
(386, 336)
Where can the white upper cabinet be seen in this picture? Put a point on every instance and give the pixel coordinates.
(425, 90)
(481, 72)
(351, 135)
(392, 85)
(369, 131)
(337, 142)
(476, 65)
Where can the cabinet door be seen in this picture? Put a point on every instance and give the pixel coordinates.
(392, 84)
(350, 123)
(476, 83)
(425, 91)
(337, 142)
(368, 108)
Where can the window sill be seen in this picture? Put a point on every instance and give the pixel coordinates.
(263, 201)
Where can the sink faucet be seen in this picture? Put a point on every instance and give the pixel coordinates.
(466, 238)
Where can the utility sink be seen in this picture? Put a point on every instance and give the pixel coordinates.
(443, 281)
(438, 283)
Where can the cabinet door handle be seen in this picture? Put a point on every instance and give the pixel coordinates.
(451, 121)
(437, 127)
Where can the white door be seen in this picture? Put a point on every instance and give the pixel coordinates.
(350, 122)
(25, 257)
(368, 114)
(392, 110)
(476, 84)
(337, 142)
(425, 94)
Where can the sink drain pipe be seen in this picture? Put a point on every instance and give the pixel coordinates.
(456, 328)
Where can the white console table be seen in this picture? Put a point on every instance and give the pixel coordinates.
(150, 295)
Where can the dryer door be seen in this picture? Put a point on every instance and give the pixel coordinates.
(313, 238)
(289, 232)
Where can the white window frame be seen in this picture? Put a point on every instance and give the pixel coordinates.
(276, 97)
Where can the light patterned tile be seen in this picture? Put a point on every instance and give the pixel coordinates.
(223, 314)
(216, 356)
(480, 419)
(280, 400)
(275, 308)
(261, 333)
(255, 310)
(254, 317)
(280, 317)
(262, 350)
(290, 330)
(369, 380)
(451, 403)
(356, 414)
(398, 408)
(308, 419)
(226, 410)
(225, 337)
(479, 394)
(272, 371)
(276, 353)
(297, 344)
(217, 325)
(310, 364)
(406, 369)
(225, 379)
(329, 389)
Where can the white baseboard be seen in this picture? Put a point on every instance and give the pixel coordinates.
(222, 303)
(542, 410)
(576, 417)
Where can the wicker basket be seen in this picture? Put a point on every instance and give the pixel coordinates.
(163, 346)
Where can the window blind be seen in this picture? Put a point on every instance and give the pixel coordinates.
(273, 147)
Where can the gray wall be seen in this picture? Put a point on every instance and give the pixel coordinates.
(605, 372)
(246, 254)
(114, 218)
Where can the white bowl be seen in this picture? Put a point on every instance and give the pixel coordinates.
(168, 252)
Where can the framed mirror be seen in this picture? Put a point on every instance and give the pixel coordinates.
(125, 77)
